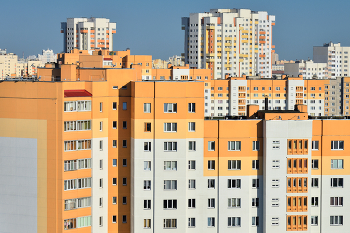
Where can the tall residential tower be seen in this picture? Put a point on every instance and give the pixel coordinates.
(229, 41)
(87, 34)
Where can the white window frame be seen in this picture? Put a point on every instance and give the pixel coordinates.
(211, 203)
(314, 146)
(314, 182)
(147, 146)
(191, 164)
(192, 145)
(234, 164)
(234, 202)
(255, 221)
(335, 182)
(147, 204)
(234, 145)
(336, 201)
(211, 164)
(255, 202)
(314, 201)
(211, 145)
(191, 107)
(170, 204)
(169, 223)
(234, 183)
(147, 185)
(314, 163)
(337, 164)
(191, 222)
(170, 146)
(337, 145)
(170, 184)
(170, 165)
(314, 220)
(191, 203)
(147, 107)
(255, 164)
(191, 126)
(192, 184)
(336, 220)
(256, 145)
(170, 107)
(211, 221)
(234, 222)
(170, 127)
(211, 183)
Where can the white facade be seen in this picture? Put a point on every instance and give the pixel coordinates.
(309, 69)
(87, 33)
(335, 56)
(229, 41)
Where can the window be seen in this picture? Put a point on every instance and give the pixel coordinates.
(101, 183)
(170, 107)
(77, 145)
(147, 127)
(211, 202)
(170, 165)
(234, 183)
(147, 146)
(336, 163)
(314, 201)
(170, 223)
(314, 163)
(211, 183)
(101, 108)
(336, 201)
(191, 164)
(255, 202)
(314, 182)
(114, 144)
(170, 146)
(211, 222)
(192, 145)
(211, 145)
(124, 144)
(147, 165)
(147, 204)
(191, 184)
(255, 164)
(314, 145)
(170, 184)
(211, 164)
(114, 124)
(191, 222)
(124, 218)
(124, 181)
(336, 220)
(234, 221)
(147, 107)
(255, 221)
(124, 201)
(314, 220)
(255, 183)
(101, 202)
(192, 107)
(124, 125)
(234, 202)
(101, 145)
(77, 125)
(124, 162)
(125, 106)
(146, 185)
(234, 145)
(191, 203)
(114, 106)
(100, 221)
(80, 105)
(170, 204)
(234, 164)
(114, 181)
(114, 200)
(336, 182)
(170, 127)
(256, 145)
(147, 223)
(80, 183)
(337, 145)
(191, 126)
(71, 204)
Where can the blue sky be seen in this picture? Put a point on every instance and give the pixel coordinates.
(154, 27)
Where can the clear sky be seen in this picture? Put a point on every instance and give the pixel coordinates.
(154, 27)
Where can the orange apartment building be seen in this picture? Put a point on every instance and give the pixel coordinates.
(92, 147)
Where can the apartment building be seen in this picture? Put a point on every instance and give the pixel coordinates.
(87, 34)
(8, 63)
(335, 56)
(103, 150)
(231, 42)
(308, 69)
